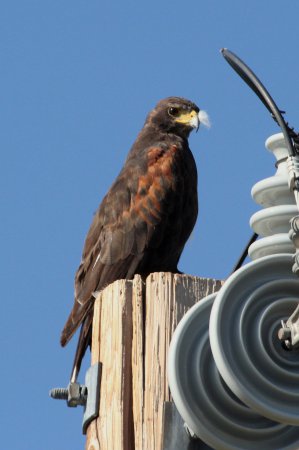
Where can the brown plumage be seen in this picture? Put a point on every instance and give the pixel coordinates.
(145, 219)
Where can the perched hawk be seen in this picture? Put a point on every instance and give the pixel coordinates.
(145, 219)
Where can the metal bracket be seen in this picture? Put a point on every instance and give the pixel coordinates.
(294, 237)
(87, 395)
(294, 231)
(93, 383)
(289, 332)
(177, 435)
(293, 170)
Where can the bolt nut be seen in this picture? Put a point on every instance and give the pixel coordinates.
(284, 334)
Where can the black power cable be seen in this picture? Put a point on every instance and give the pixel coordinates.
(259, 89)
(290, 136)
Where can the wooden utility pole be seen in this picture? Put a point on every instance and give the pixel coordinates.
(132, 329)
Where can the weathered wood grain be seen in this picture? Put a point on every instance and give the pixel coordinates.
(132, 329)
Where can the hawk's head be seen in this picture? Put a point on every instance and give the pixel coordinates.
(177, 115)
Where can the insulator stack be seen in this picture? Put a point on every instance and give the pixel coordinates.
(232, 380)
(273, 222)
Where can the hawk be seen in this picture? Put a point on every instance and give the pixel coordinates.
(146, 217)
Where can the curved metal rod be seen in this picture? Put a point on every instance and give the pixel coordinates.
(256, 85)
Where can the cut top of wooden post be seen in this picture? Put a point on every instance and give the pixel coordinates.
(132, 329)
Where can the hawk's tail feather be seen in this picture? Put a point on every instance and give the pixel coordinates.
(83, 342)
(67, 332)
(72, 325)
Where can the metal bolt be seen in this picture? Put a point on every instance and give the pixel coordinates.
(59, 393)
(75, 394)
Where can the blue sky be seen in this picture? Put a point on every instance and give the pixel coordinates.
(77, 80)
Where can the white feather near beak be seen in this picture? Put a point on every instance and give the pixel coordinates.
(204, 118)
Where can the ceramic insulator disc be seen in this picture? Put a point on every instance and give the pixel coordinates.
(244, 322)
(207, 405)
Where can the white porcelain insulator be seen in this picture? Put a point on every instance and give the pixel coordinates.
(274, 195)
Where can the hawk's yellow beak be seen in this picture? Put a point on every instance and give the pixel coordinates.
(189, 118)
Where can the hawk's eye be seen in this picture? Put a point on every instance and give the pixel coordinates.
(173, 111)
